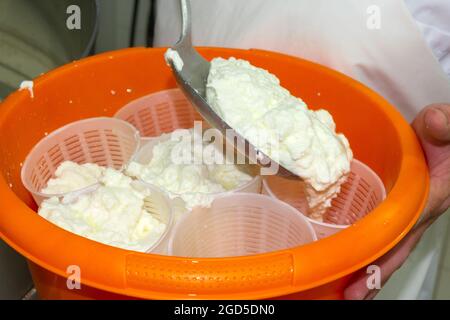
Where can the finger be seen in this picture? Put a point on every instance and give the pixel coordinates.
(432, 128)
(437, 122)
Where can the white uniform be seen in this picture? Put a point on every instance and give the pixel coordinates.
(375, 41)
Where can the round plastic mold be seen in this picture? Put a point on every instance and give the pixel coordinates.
(240, 225)
(360, 194)
(160, 207)
(107, 142)
(158, 113)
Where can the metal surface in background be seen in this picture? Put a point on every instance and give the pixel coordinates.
(34, 39)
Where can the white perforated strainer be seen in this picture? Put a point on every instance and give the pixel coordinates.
(160, 112)
(106, 142)
(361, 193)
(240, 224)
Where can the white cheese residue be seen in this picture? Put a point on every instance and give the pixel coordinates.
(174, 57)
(28, 85)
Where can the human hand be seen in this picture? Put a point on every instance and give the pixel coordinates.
(432, 127)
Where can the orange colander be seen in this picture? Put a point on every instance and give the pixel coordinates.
(101, 85)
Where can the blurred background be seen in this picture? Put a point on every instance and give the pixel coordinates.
(34, 38)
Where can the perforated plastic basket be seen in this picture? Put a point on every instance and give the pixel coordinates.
(240, 225)
(106, 142)
(158, 113)
(160, 207)
(360, 194)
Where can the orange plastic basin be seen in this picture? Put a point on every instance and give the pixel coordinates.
(378, 134)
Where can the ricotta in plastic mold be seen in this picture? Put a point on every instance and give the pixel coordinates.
(113, 214)
(195, 182)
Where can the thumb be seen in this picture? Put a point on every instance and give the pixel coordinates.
(433, 124)
(432, 127)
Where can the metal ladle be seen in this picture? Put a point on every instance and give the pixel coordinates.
(192, 78)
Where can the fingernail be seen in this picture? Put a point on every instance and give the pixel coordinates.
(437, 124)
(434, 117)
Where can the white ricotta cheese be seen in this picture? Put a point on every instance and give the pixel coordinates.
(114, 214)
(70, 176)
(252, 101)
(194, 181)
